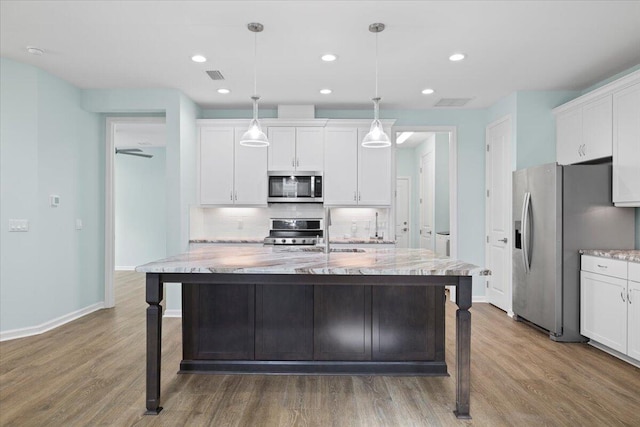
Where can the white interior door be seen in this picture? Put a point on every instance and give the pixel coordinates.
(427, 201)
(498, 213)
(403, 222)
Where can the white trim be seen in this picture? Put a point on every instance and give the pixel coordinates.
(125, 268)
(50, 324)
(173, 313)
(109, 201)
(614, 86)
(615, 353)
(395, 205)
(479, 299)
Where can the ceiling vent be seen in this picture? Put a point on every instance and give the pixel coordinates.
(453, 102)
(215, 75)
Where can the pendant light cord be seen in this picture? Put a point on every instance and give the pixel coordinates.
(255, 62)
(376, 65)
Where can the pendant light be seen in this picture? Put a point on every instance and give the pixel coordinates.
(376, 138)
(254, 137)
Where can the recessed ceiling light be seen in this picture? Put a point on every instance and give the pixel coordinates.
(329, 57)
(427, 91)
(35, 50)
(457, 57)
(403, 137)
(198, 58)
(224, 91)
(325, 91)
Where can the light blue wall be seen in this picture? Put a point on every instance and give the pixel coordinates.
(140, 208)
(180, 115)
(49, 145)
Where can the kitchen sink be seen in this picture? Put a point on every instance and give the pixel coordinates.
(319, 249)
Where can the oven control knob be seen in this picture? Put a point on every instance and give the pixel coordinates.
(293, 240)
(284, 240)
(303, 241)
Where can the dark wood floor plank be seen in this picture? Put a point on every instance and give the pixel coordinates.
(91, 372)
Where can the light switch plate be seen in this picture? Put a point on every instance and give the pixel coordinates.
(19, 225)
(54, 200)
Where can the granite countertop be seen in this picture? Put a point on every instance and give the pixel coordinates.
(630, 255)
(229, 240)
(336, 241)
(311, 260)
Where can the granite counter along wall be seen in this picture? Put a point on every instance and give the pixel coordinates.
(208, 223)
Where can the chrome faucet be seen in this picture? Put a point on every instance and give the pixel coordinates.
(327, 223)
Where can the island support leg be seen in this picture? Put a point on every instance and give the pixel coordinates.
(154, 338)
(463, 348)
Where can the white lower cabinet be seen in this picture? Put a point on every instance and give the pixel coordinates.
(608, 314)
(633, 313)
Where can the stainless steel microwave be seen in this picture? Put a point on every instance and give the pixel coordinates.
(294, 187)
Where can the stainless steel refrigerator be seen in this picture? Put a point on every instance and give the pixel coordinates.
(558, 210)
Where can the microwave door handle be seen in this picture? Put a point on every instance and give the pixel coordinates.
(313, 187)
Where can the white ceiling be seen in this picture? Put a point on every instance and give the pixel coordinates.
(511, 45)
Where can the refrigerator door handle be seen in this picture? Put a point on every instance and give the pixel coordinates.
(526, 205)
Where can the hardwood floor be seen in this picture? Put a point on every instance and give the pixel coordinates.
(91, 372)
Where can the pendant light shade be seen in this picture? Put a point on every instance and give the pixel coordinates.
(254, 136)
(376, 138)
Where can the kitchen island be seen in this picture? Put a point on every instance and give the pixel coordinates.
(295, 310)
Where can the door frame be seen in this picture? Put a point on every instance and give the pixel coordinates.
(408, 179)
(509, 203)
(453, 178)
(423, 199)
(109, 199)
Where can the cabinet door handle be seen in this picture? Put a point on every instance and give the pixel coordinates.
(231, 195)
(293, 162)
(503, 240)
(622, 296)
(629, 296)
(297, 162)
(236, 196)
(354, 196)
(601, 266)
(359, 196)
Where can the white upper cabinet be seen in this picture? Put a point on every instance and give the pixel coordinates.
(296, 148)
(355, 175)
(216, 167)
(584, 131)
(341, 166)
(231, 174)
(626, 146)
(374, 173)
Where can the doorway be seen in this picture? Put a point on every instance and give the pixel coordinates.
(435, 186)
(403, 211)
(135, 187)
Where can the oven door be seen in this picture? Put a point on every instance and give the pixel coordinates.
(291, 188)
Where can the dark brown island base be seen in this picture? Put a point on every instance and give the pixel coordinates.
(301, 311)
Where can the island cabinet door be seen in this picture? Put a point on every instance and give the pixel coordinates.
(342, 322)
(407, 323)
(284, 322)
(218, 321)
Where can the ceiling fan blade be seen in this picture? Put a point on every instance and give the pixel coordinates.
(133, 152)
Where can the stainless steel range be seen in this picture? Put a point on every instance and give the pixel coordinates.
(294, 231)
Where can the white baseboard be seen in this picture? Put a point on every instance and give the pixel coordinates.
(49, 325)
(125, 268)
(479, 298)
(172, 313)
(615, 353)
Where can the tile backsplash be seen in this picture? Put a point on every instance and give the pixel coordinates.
(232, 222)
